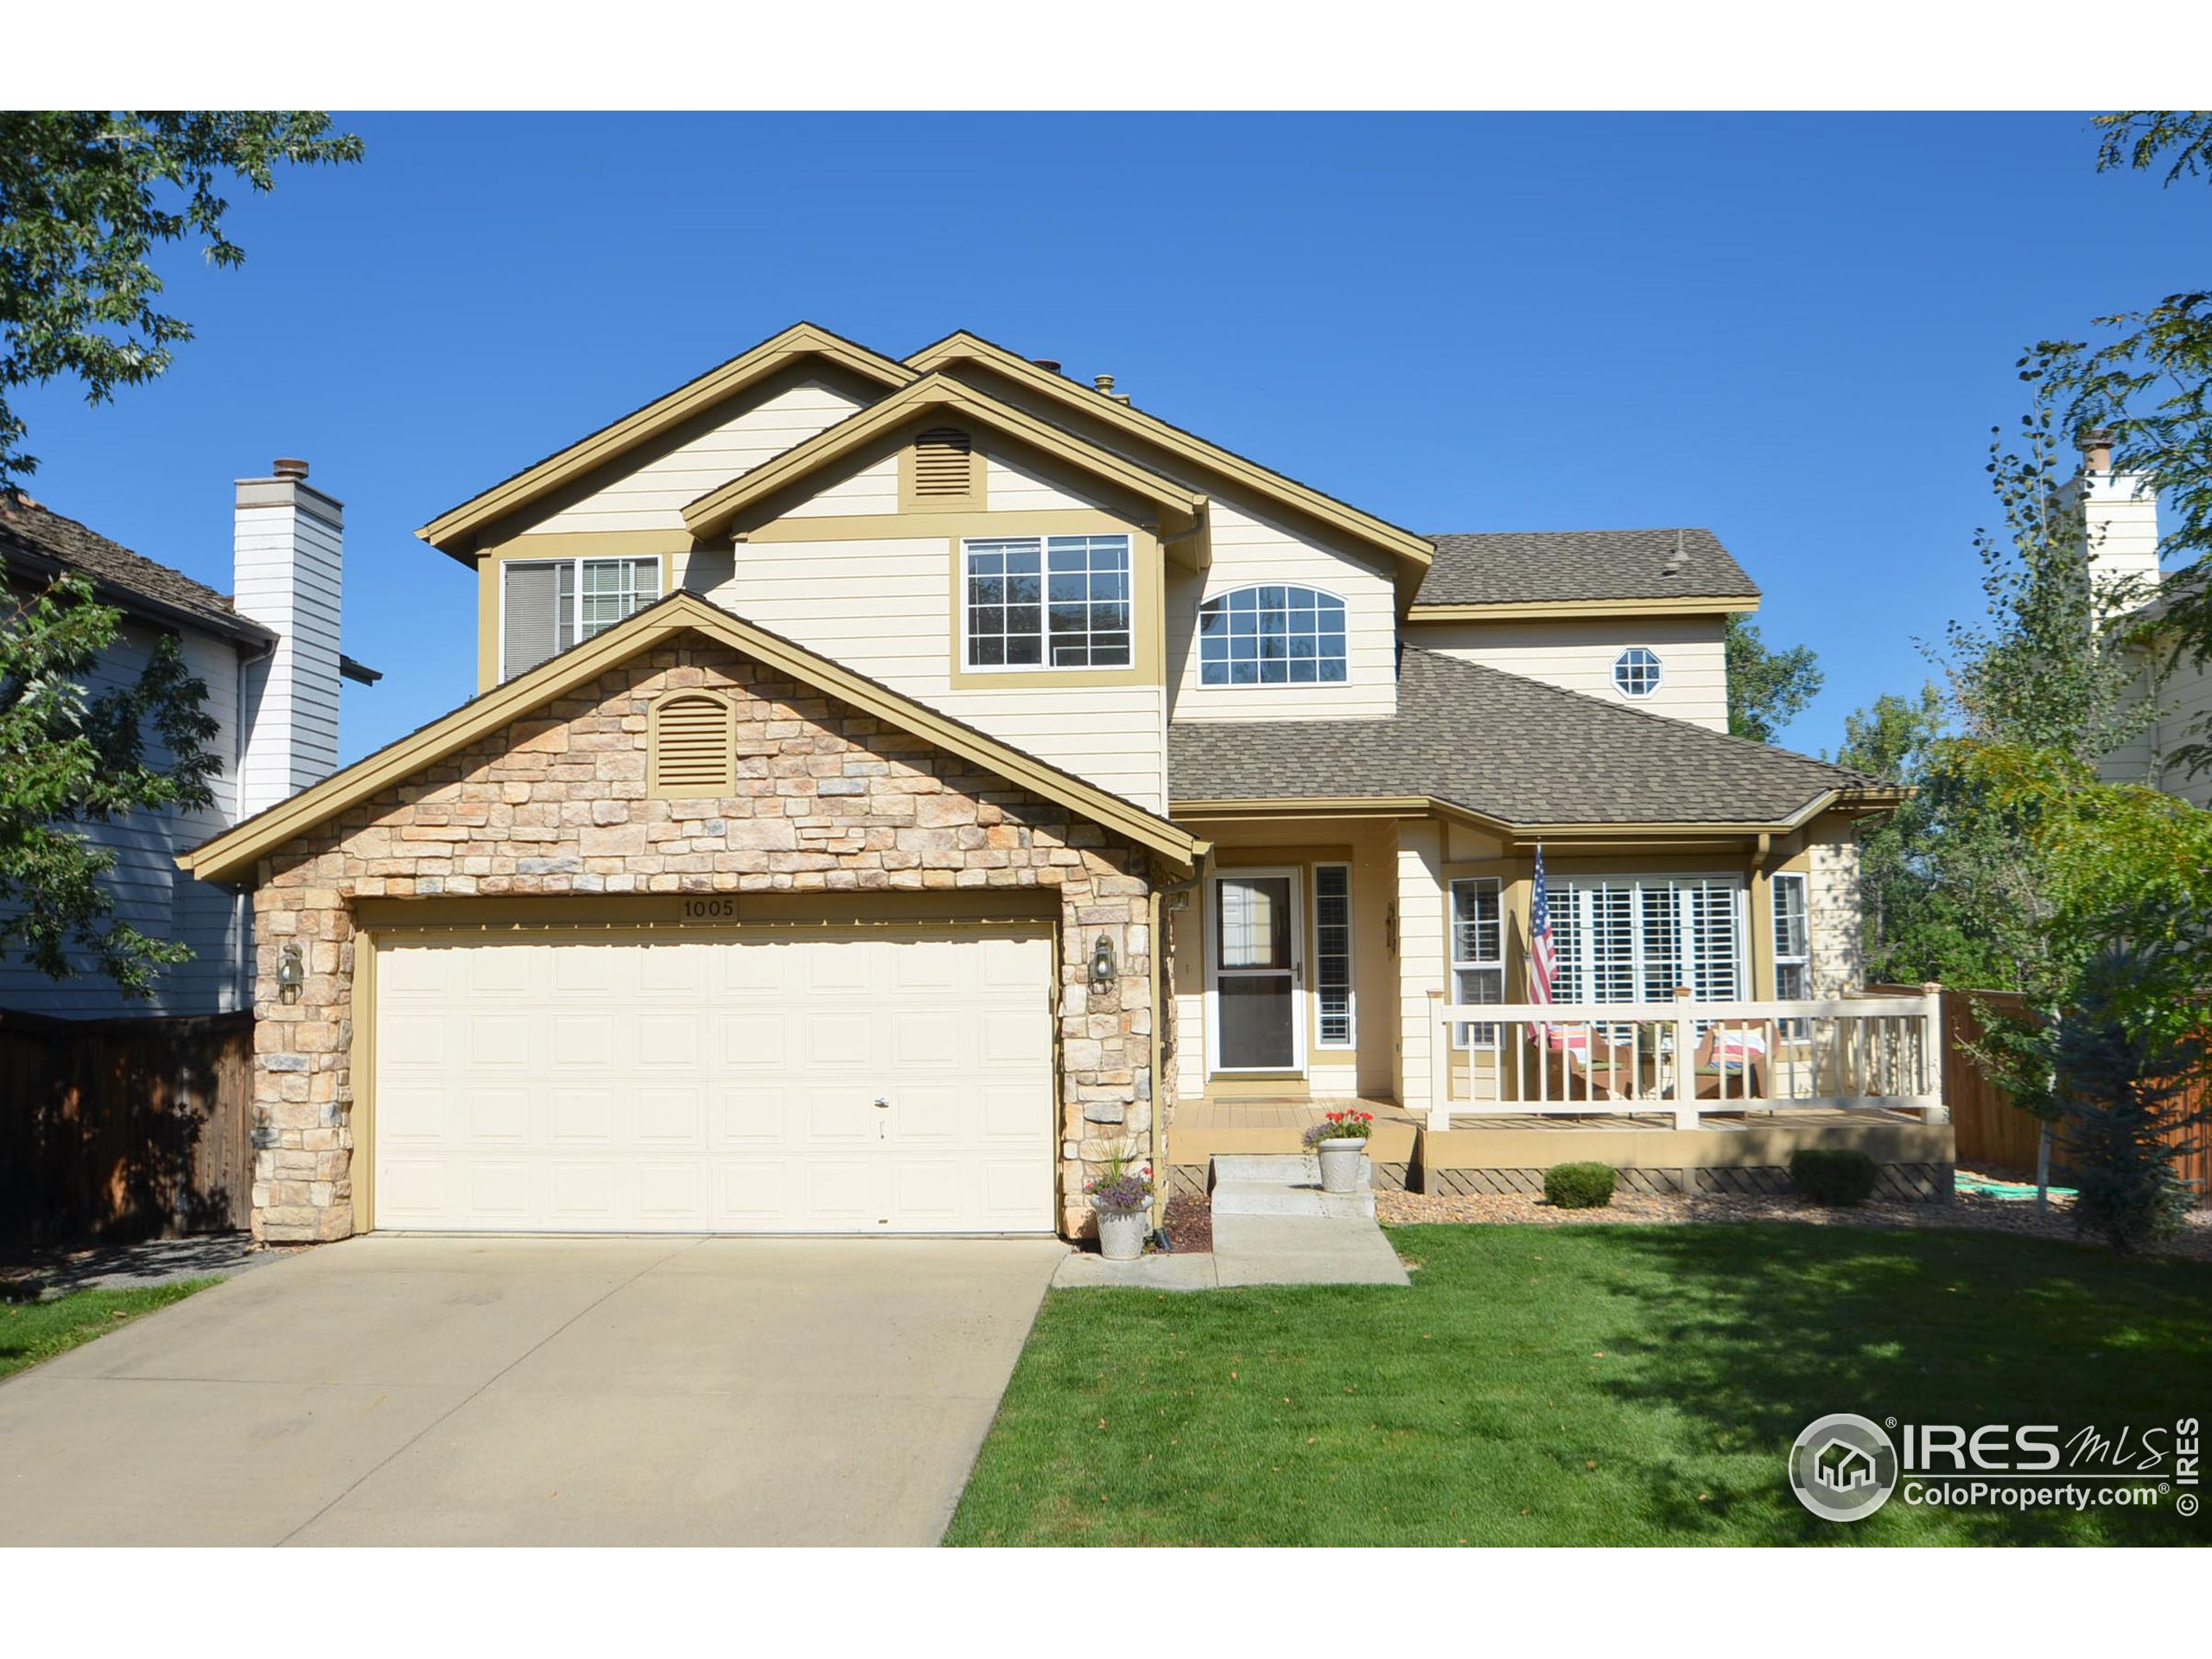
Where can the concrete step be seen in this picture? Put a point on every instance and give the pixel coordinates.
(1280, 1198)
(1286, 1168)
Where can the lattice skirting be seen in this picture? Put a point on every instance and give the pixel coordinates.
(1186, 1181)
(1908, 1182)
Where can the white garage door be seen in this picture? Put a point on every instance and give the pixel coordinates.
(858, 1082)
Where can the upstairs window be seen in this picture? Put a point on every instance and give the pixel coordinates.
(1637, 671)
(1047, 601)
(1270, 635)
(548, 605)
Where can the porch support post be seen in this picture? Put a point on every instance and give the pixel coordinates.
(1439, 1064)
(1932, 1055)
(1685, 1061)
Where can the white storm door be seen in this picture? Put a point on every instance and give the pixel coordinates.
(1258, 973)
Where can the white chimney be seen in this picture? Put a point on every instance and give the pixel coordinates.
(2121, 513)
(288, 544)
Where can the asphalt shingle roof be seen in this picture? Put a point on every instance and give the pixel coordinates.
(1534, 566)
(1509, 748)
(27, 527)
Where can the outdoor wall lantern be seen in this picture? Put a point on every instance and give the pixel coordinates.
(1101, 964)
(291, 973)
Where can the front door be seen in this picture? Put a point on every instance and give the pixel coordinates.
(1258, 972)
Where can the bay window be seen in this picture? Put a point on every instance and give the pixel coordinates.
(1478, 954)
(1635, 938)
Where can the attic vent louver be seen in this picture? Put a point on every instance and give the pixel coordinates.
(941, 464)
(692, 754)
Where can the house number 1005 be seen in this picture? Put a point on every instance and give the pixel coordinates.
(709, 909)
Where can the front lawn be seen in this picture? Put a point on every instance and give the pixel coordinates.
(1578, 1385)
(31, 1331)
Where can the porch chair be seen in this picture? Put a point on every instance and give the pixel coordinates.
(1588, 1068)
(1732, 1061)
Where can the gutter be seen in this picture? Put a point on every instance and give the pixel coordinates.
(130, 600)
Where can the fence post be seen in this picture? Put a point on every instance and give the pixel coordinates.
(1685, 1061)
(1439, 1064)
(1932, 1051)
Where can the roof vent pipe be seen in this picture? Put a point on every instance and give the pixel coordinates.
(1050, 365)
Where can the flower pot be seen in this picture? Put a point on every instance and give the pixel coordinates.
(1343, 1164)
(1121, 1233)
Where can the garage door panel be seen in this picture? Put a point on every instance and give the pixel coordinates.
(721, 1085)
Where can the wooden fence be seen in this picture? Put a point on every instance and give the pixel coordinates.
(124, 1129)
(1994, 1134)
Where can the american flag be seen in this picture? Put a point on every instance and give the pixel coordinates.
(1540, 943)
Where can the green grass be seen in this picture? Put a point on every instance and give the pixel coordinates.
(1578, 1385)
(31, 1331)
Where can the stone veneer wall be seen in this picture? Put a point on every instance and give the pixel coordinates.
(829, 800)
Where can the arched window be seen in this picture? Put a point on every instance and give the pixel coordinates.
(1271, 635)
(1637, 671)
(693, 751)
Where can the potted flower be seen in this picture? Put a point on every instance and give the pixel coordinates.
(1341, 1138)
(1122, 1199)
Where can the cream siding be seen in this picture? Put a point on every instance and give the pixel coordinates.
(1424, 956)
(884, 608)
(652, 495)
(873, 490)
(1008, 487)
(1579, 656)
(1247, 550)
(150, 892)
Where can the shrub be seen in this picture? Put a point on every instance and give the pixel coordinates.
(1579, 1186)
(1834, 1176)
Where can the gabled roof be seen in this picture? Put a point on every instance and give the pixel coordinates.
(933, 396)
(1412, 552)
(450, 531)
(231, 855)
(1515, 752)
(1585, 567)
(43, 539)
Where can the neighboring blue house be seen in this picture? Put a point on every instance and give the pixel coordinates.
(270, 656)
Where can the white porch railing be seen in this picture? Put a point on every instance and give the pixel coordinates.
(1862, 1054)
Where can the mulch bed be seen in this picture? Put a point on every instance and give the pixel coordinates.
(1977, 1215)
(1190, 1225)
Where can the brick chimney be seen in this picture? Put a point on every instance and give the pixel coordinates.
(287, 548)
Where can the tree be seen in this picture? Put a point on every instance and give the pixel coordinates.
(68, 760)
(1767, 690)
(2145, 376)
(82, 207)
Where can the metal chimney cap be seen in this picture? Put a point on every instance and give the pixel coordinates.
(288, 467)
(1050, 365)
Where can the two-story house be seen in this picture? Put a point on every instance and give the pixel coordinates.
(268, 652)
(897, 786)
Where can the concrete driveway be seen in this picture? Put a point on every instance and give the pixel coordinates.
(416, 1390)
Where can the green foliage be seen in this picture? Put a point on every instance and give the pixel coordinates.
(86, 195)
(33, 1331)
(1838, 1178)
(1579, 1186)
(2125, 1091)
(2145, 376)
(1767, 690)
(69, 759)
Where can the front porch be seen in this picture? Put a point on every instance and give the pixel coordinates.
(1679, 1096)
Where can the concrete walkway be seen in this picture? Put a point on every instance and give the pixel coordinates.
(395, 1389)
(1272, 1225)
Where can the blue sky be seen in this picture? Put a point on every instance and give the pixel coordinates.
(1796, 329)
